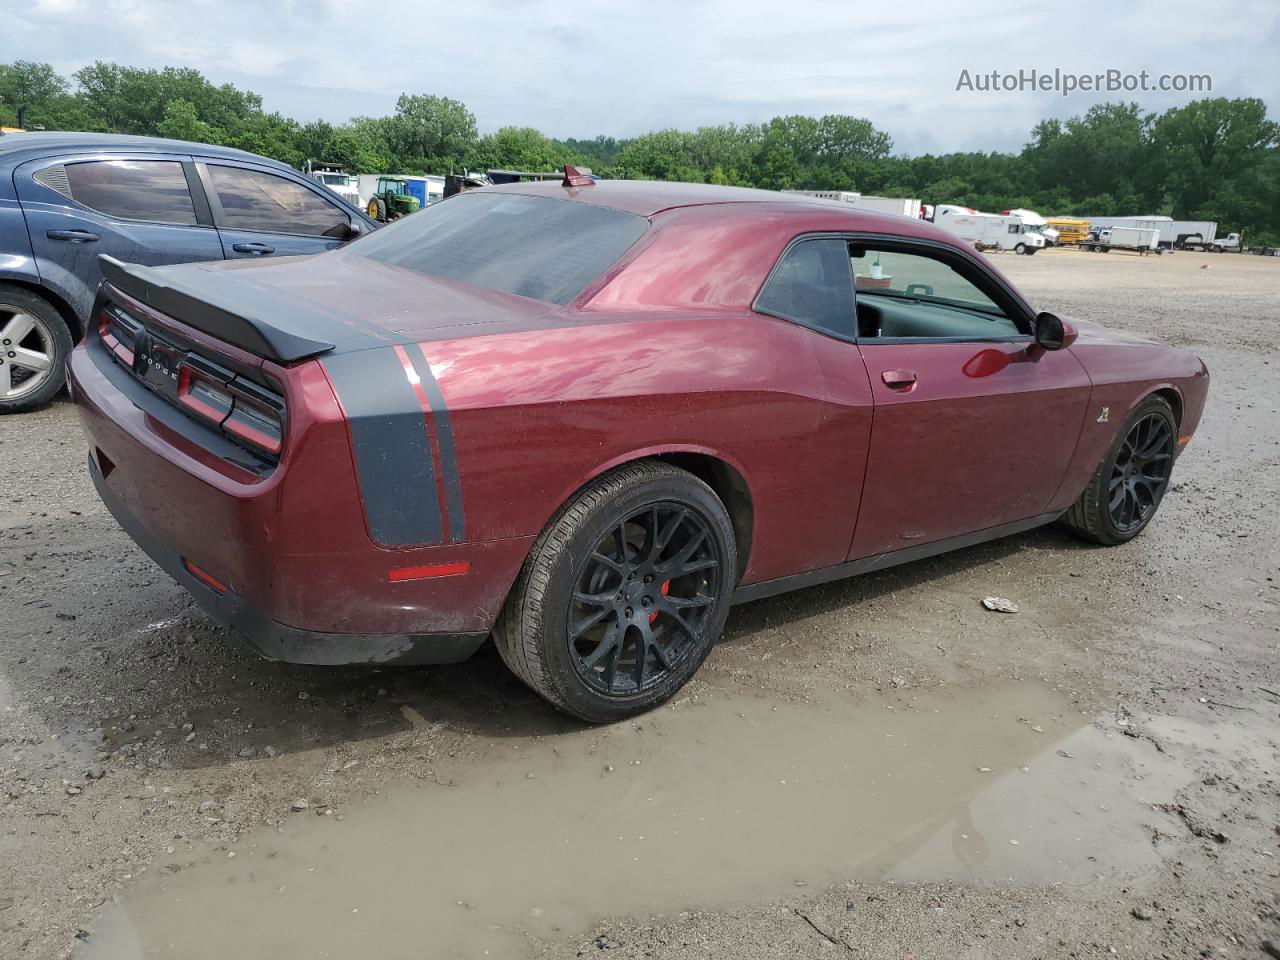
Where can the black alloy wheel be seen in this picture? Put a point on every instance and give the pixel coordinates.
(1132, 478)
(1140, 472)
(643, 599)
(624, 593)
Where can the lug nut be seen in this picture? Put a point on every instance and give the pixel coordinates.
(629, 612)
(648, 578)
(647, 602)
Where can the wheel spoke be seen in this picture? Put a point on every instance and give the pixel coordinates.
(18, 327)
(683, 603)
(593, 599)
(607, 645)
(30, 359)
(683, 624)
(587, 622)
(613, 564)
(660, 544)
(6, 379)
(611, 668)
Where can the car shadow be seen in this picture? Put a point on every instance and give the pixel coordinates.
(140, 672)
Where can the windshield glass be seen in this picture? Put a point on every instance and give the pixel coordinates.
(335, 179)
(536, 247)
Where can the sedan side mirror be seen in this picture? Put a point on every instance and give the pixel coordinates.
(1053, 333)
(354, 229)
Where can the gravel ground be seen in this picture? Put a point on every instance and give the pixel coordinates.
(139, 748)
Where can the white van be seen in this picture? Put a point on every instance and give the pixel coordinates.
(989, 231)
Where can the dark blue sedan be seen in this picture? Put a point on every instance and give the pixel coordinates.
(65, 198)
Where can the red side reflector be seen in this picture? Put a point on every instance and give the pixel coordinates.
(208, 579)
(1184, 440)
(428, 571)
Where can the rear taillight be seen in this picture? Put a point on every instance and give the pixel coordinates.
(117, 332)
(250, 414)
(247, 412)
(257, 418)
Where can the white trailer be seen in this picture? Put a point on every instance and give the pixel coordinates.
(989, 231)
(902, 206)
(1139, 239)
(1171, 234)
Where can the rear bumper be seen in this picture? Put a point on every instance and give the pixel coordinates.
(278, 641)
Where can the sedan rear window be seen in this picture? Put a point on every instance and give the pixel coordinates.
(536, 247)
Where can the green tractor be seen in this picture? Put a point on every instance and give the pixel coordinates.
(392, 200)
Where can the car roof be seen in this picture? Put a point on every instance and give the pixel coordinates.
(649, 197)
(18, 147)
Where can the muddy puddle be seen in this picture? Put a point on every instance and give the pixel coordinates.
(703, 805)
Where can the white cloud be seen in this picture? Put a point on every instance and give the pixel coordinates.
(578, 69)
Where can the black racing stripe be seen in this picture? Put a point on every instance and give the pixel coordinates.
(444, 437)
(392, 449)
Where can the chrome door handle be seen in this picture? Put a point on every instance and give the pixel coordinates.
(257, 249)
(72, 236)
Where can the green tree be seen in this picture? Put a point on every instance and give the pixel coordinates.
(1208, 146)
(429, 133)
(182, 123)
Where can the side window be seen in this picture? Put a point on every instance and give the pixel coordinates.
(153, 190)
(915, 295)
(811, 286)
(253, 200)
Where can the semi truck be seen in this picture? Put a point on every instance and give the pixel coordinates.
(1034, 224)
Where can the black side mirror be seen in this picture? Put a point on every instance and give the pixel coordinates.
(1051, 332)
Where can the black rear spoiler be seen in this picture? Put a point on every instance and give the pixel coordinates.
(237, 322)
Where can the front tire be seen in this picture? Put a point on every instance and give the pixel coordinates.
(623, 595)
(1126, 489)
(34, 346)
(1020, 249)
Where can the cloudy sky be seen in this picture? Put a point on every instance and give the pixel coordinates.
(581, 69)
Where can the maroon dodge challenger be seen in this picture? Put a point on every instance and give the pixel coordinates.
(584, 418)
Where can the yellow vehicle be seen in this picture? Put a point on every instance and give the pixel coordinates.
(1070, 229)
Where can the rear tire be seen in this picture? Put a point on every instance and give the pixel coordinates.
(1132, 479)
(34, 345)
(601, 622)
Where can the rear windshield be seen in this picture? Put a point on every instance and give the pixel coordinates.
(536, 247)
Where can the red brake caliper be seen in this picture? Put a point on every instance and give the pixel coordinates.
(666, 588)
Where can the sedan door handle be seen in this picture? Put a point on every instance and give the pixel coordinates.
(72, 236)
(257, 249)
(899, 379)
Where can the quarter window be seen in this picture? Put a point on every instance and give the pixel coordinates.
(152, 190)
(811, 285)
(253, 200)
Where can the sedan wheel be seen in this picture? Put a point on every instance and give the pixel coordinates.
(27, 357)
(623, 595)
(34, 343)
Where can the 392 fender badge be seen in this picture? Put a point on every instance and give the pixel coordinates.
(1105, 415)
